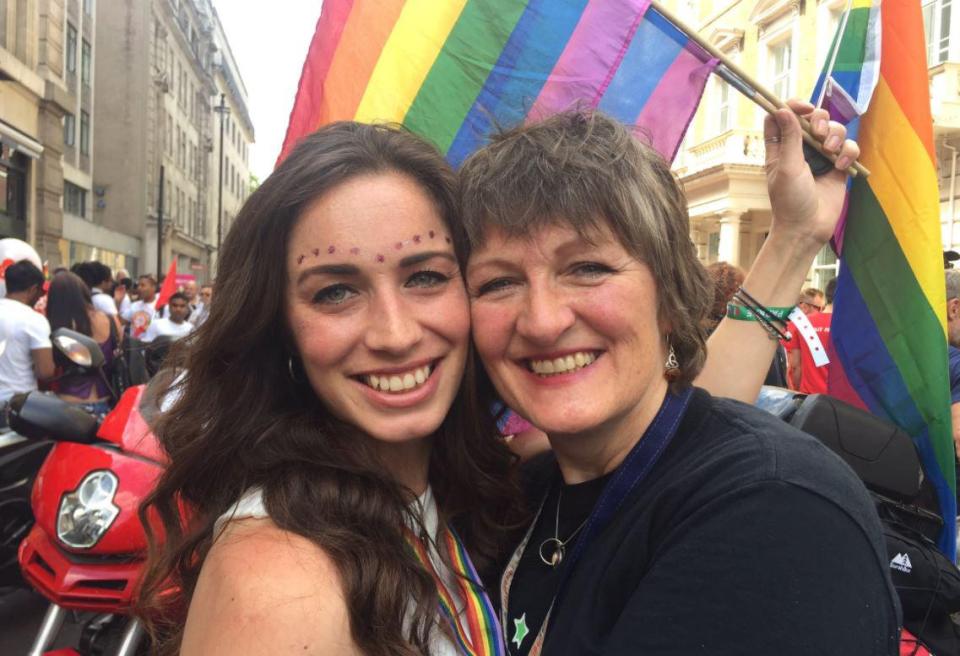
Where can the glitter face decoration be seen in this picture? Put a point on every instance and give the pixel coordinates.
(379, 257)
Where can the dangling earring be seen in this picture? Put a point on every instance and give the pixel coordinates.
(293, 376)
(671, 368)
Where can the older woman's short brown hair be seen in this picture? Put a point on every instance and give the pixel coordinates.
(586, 170)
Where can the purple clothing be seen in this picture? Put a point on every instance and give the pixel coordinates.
(79, 385)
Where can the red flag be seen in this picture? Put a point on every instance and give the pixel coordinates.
(169, 286)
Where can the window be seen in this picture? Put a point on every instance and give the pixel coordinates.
(937, 15)
(85, 62)
(724, 109)
(69, 130)
(88, 7)
(713, 247)
(825, 267)
(71, 48)
(780, 56)
(84, 133)
(74, 200)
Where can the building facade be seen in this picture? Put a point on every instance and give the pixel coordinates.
(158, 135)
(33, 101)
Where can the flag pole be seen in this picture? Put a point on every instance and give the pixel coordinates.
(742, 82)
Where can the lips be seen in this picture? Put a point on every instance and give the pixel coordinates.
(399, 382)
(562, 365)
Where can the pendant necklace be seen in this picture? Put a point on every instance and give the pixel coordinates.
(555, 547)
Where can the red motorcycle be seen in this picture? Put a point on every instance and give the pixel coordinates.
(87, 548)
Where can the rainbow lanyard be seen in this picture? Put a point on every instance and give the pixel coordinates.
(482, 636)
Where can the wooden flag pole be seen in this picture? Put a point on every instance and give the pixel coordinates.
(752, 89)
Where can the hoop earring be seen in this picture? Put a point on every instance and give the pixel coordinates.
(293, 376)
(671, 368)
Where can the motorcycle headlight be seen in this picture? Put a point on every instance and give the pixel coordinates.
(87, 512)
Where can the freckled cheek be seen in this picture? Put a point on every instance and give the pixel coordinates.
(323, 341)
(493, 327)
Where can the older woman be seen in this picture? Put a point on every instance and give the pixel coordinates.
(668, 521)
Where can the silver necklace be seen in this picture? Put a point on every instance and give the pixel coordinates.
(557, 548)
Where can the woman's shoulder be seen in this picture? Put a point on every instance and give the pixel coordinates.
(263, 589)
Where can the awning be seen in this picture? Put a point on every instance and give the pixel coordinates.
(23, 143)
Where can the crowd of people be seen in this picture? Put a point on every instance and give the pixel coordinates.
(87, 298)
(334, 437)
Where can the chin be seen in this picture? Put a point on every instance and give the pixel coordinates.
(397, 431)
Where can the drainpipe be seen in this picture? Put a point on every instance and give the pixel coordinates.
(953, 188)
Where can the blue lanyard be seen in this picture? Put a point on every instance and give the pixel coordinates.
(631, 472)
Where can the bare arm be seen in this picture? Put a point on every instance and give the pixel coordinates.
(264, 591)
(793, 367)
(805, 213)
(43, 363)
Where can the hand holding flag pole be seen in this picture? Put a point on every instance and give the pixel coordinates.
(742, 82)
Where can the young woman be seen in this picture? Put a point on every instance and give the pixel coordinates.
(314, 440)
(669, 521)
(69, 305)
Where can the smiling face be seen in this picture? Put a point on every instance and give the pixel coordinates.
(376, 306)
(568, 330)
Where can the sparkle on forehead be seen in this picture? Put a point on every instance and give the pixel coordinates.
(398, 245)
(331, 249)
(432, 234)
(354, 251)
(316, 252)
(380, 257)
(300, 259)
(416, 239)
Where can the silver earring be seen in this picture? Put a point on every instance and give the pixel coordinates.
(293, 376)
(671, 368)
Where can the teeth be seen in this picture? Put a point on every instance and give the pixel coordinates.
(578, 360)
(399, 382)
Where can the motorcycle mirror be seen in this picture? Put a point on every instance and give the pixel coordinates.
(80, 349)
(41, 415)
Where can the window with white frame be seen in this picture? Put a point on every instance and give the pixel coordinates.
(937, 17)
(85, 58)
(71, 48)
(825, 267)
(69, 129)
(779, 66)
(84, 133)
(724, 106)
(74, 200)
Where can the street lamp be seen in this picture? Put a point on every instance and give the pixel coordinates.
(222, 110)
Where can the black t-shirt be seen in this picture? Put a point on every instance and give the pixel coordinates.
(747, 537)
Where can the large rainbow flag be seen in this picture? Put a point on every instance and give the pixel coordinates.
(453, 70)
(889, 322)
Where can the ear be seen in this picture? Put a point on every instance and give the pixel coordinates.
(953, 309)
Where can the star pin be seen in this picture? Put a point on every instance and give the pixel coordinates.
(520, 630)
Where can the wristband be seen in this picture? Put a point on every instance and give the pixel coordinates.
(743, 313)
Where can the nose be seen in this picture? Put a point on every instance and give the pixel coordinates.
(545, 315)
(393, 327)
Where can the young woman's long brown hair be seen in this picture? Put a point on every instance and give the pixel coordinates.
(242, 420)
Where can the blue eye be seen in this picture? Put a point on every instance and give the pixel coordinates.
(427, 278)
(591, 269)
(333, 295)
(495, 285)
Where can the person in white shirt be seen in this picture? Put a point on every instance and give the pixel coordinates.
(176, 325)
(122, 284)
(203, 306)
(141, 312)
(26, 354)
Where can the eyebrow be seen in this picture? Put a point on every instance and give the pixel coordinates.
(353, 270)
(418, 258)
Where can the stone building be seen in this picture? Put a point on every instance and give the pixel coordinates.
(158, 63)
(33, 102)
(783, 44)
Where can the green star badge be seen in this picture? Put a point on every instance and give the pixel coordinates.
(520, 630)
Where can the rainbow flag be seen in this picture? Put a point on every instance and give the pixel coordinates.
(453, 70)
(889, 321)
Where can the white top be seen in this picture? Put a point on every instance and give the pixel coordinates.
(125, 305)
(104, 302)
(251, 505)
(22, 330)
(139, 315)
(163, 327)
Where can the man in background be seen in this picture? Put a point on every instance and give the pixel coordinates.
(805, 375)
(176, 325)
(142, 311)
(953, 348)
(811, 300)
(203, 307)
(26, 354)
